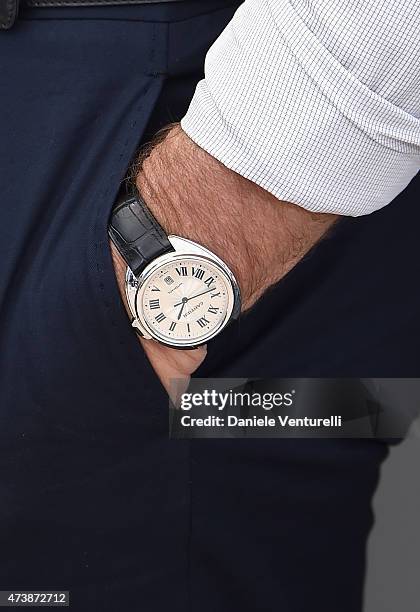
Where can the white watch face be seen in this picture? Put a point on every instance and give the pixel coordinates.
(185, 301)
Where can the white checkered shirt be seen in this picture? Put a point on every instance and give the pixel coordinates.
(317, 101)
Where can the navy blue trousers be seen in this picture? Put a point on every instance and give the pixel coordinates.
(94, 498)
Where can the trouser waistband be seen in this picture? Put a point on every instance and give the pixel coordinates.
(9, 8)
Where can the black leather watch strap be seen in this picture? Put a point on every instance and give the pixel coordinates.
(137, 235)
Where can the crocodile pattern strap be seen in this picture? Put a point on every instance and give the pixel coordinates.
(137, 235)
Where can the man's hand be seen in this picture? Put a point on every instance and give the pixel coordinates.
(193, 195)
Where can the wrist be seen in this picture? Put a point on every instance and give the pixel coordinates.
(120, 269)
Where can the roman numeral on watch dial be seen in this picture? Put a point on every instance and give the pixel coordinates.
(160, 317)
(182, 271)
(153, 304)
(203, 322)
(213, 309)
(209, 281)
(198, 273)
(172, 326)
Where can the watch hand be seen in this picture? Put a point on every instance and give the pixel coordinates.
(203, 293)
(182, 308)
(185, 300)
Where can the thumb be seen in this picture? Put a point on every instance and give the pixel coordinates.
(174, 367)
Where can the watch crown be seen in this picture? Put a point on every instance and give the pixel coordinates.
(132, 281)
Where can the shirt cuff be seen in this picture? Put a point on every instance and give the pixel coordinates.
(279, 109)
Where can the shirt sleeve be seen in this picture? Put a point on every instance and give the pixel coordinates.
(316, 102)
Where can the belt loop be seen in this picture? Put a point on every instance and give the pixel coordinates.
(8, 13)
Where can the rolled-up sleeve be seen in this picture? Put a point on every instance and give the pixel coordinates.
(316, 102)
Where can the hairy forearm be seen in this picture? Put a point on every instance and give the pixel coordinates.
(193, 195)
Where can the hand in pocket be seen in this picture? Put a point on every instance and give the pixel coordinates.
(168, 363)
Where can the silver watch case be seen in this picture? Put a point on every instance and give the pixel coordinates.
(183, 248)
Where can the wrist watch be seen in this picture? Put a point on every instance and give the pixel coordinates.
(179, 293)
